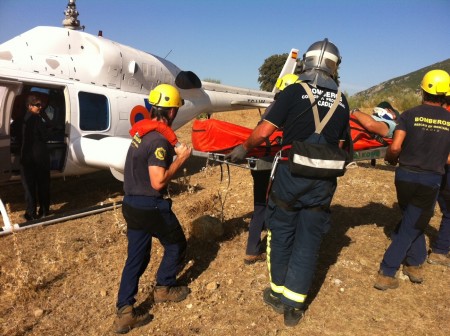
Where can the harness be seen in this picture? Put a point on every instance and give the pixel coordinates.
(283, 154)
(320, 124)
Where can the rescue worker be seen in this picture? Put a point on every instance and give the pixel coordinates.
(35, 158)
(440, 249)
(284, 82)
(298, 210)
(255, 247)
(149, 167)
(421, 146)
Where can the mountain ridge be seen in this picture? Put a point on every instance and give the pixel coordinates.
(407, 83)
(403, 92)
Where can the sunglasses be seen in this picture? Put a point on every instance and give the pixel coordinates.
(37, 105)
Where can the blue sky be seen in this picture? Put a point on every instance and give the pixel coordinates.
(228, 40)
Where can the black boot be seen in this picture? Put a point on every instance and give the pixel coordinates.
(292, 316)
(273, 301)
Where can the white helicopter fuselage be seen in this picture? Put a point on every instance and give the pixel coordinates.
(95, 89)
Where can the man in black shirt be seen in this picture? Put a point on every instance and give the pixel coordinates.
(440, 248)
(148, 170)
(421, 147)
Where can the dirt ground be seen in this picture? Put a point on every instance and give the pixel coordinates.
(62, 279)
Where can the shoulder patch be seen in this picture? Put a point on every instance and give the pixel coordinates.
(160, 153)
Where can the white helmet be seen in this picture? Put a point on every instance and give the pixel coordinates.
(320, 63)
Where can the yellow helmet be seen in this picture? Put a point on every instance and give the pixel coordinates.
(286, 80)
(165, 95)
(436, 82)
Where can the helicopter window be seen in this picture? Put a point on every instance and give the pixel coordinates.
(94, 112)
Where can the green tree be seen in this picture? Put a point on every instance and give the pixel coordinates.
(270, 70)
(212, 80)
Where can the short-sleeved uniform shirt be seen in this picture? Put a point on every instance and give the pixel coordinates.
(427, 142)
(293, 101)
(150, 150)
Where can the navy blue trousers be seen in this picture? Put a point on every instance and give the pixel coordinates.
(297, 216)
(149, 217)
(257, 223)
(442, 243)
(416, 195)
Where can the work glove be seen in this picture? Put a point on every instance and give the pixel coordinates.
(237, 154)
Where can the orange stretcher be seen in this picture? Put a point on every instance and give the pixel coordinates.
(214, 138)
(212, 135)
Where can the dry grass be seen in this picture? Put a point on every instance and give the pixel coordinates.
(63, 279)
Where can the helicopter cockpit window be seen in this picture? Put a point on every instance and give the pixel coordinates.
(94, 112)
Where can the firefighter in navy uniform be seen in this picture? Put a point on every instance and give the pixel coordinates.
(149, 167)
(421, 146)
(254, 250)
(298, 210)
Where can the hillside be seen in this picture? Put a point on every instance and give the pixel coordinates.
(401, 92)
(406, 83)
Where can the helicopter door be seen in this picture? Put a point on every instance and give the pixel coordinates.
(8, 92)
